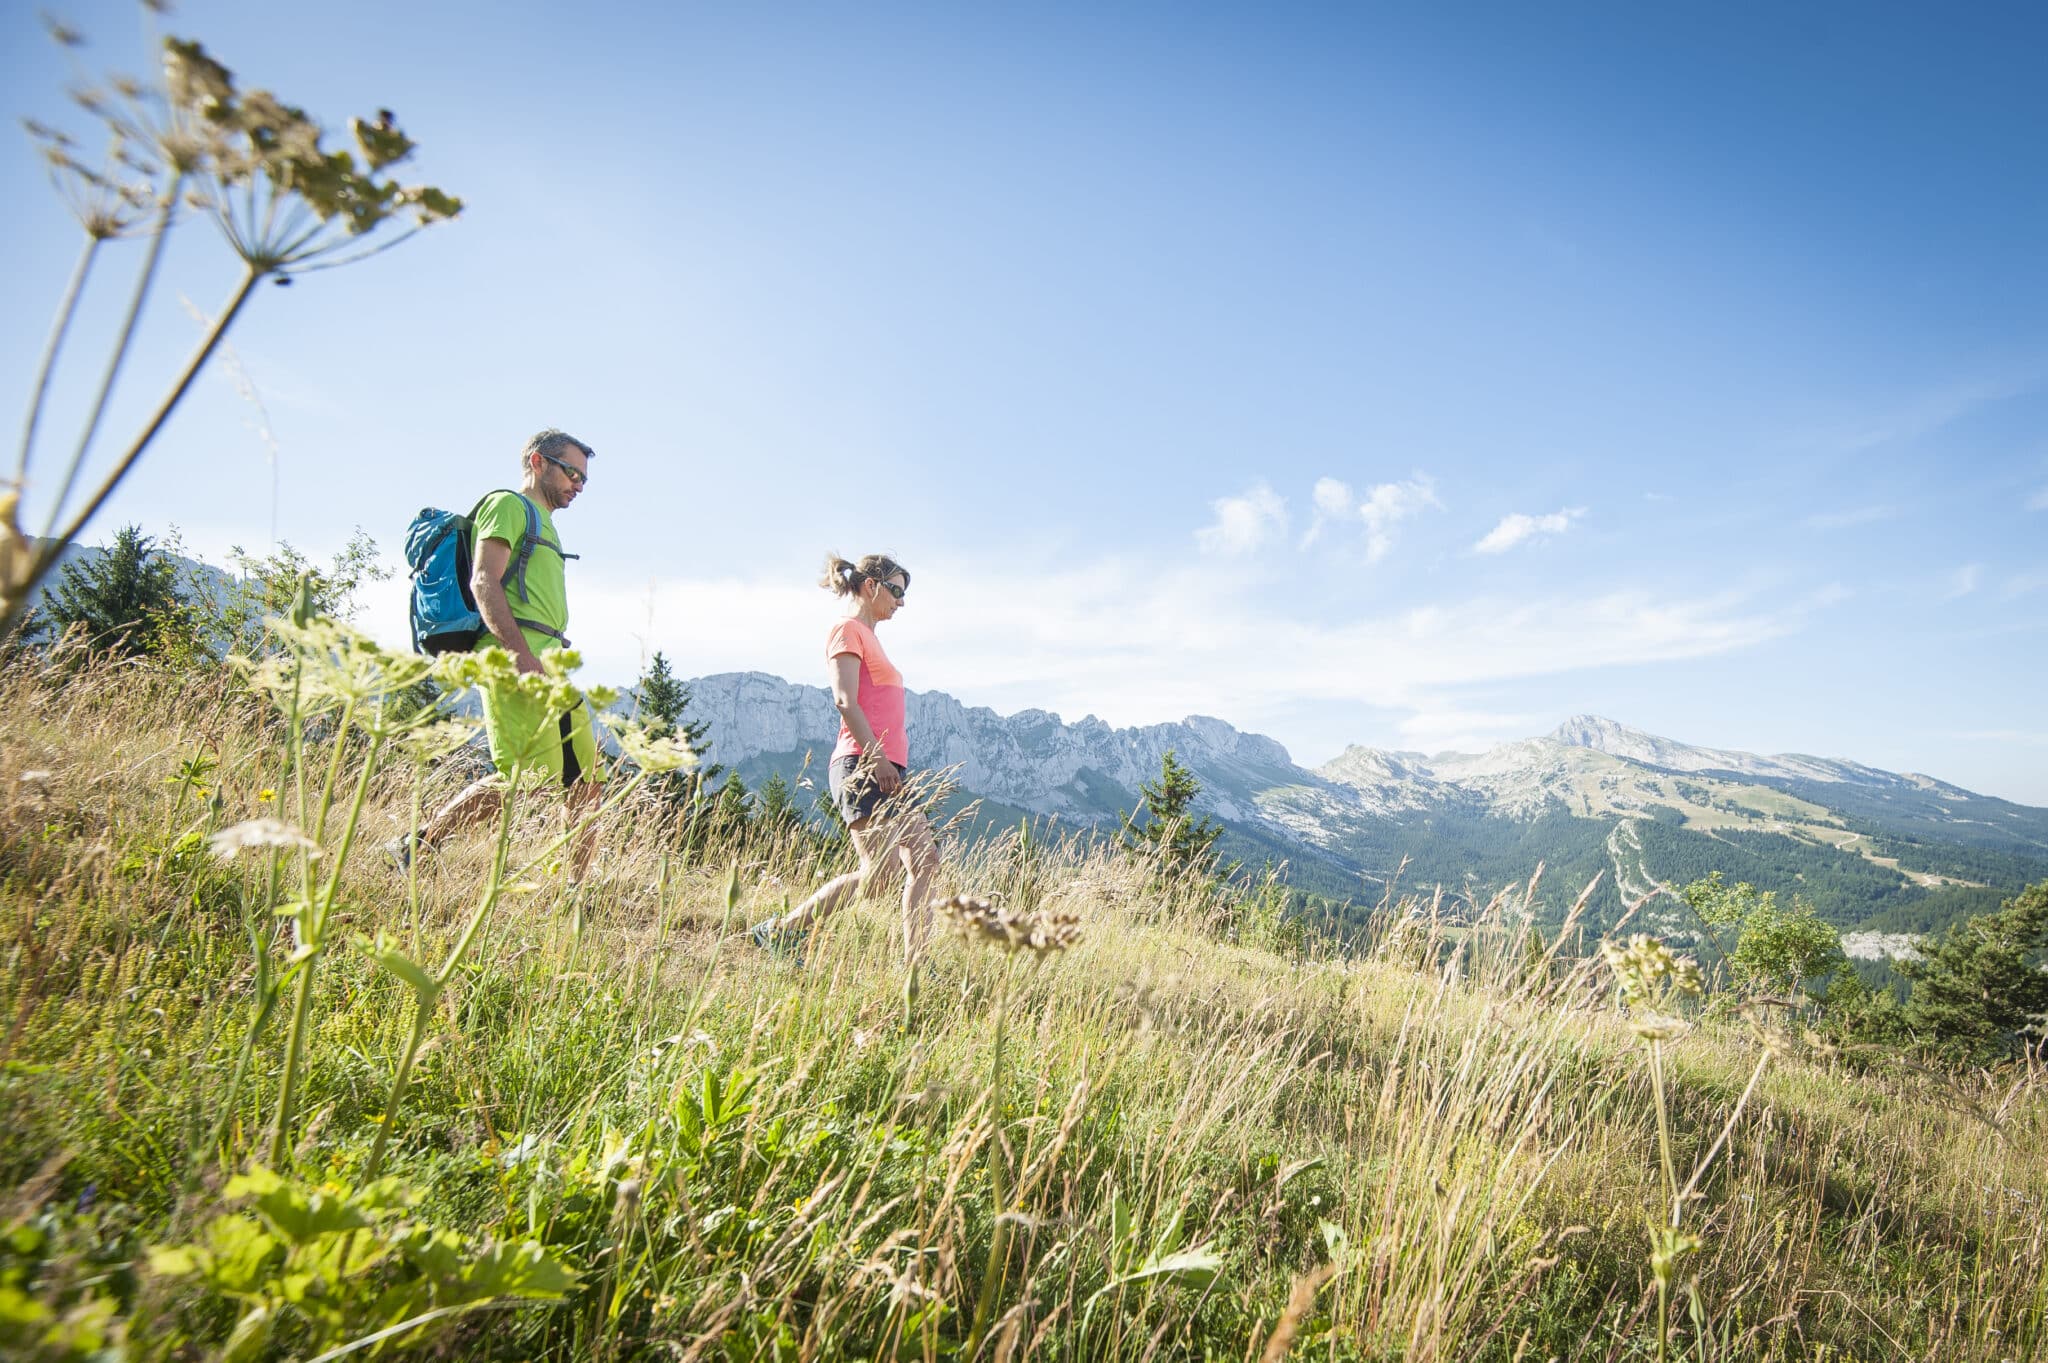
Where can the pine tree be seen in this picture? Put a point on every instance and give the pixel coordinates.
(663, 702)
(1173, 835)
(118, 598)
(1980, 993)
(731, 808)
(775, 807)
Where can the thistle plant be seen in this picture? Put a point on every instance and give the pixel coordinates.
(285, 204)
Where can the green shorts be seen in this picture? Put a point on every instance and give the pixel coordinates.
(522, 733)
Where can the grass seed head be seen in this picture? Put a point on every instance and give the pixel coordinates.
(993, 924)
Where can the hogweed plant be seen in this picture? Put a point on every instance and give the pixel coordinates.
(193, 142)
(333, 685)
(1653, 983)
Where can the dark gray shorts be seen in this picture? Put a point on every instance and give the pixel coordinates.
(854, 792)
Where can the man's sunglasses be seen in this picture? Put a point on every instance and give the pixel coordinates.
(892, 589)
(577, 477)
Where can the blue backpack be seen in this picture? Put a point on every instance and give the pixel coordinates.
(439, 547)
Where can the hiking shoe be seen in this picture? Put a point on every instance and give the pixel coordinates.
(401, 850)
(770, 936)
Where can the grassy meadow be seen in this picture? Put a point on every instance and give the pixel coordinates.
(521, 1125)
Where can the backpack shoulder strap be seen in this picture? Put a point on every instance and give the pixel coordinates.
(515, 572)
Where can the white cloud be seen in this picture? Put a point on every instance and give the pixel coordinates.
(1963, 581)
(1244, 523)
(1844, 520)
(1517, 528)
(1387, 505)
(2039, 501)
(1334, 502)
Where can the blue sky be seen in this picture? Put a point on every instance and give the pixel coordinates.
(1413, 376)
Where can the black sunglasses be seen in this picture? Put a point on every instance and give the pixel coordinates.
(577, 477)
(891, 588)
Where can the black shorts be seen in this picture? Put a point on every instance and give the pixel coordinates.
(854, 792)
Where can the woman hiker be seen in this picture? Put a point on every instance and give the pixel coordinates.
(869, 763)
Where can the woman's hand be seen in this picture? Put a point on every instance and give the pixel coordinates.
(888, 778)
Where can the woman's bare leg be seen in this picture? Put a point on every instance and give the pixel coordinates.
(918, 853)
(873, 845)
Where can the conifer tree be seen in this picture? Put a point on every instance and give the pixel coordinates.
(119, 597)
(663, 702)
(1979, 993)
(1173, 835)
(775, 807)
(731, 809)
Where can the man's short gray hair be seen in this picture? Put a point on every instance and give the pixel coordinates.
(553, 444)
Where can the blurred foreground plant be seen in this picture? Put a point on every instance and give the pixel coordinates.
(1653, 982)
(284, 203)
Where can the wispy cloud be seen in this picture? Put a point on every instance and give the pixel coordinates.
(1244, 523)
(1386, 505)
(1929, 410)
(1517, 528)
(1843, 520)
(1962, 581)
(2023, 584)
(1137, 642)
(2039, 501)
(1440, 726)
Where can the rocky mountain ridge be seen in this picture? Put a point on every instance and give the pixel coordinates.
(1593, 796)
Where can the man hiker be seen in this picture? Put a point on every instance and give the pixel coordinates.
(531, 616)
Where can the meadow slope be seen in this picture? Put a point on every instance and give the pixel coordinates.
(628, 1134)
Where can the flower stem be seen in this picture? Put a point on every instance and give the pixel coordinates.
(65, 311)
(295, 1046)
(121, 342)
(46, 558)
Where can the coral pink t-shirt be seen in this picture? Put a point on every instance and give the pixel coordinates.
(881, 691)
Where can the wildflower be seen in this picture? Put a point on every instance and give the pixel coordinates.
(265, 795)
(652, 754)
(442, 738)
(1648, 972)
(260, 833)
(982, 920)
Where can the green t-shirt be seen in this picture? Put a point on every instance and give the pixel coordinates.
(502, 517)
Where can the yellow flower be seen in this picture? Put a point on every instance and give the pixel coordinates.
(266, 794)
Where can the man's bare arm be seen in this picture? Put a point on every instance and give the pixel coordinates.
(486, 584)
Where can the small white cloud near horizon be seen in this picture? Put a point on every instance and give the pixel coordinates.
(1963, 581)
(1517, 528)
(1244, 523)
(2039, 501)
(1844, 520)
(1387, 505)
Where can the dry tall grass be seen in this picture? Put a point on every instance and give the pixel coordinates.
(1432, 1150)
